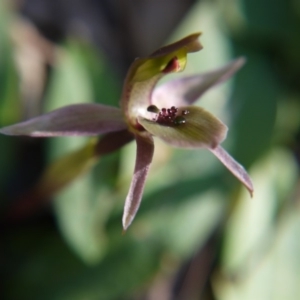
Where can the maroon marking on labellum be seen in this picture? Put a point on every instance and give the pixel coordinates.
(139, 127)
(173, 65)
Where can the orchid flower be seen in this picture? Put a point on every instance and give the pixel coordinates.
(165, 112)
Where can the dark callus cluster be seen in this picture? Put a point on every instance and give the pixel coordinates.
(168, 116)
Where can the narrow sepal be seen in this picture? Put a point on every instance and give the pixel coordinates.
(72, 120)
(234, 167)
(198, 129)
(186, 90)
(145, 150)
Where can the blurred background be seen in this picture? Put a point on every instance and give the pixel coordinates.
(198, 234)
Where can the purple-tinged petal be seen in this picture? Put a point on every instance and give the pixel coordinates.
(187, 90)
(74, 120)
(190, 42)
(234, 167)
(145, 150)
(192, 127)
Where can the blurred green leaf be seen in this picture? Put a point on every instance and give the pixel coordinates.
(81, 214)
(82, 207)
(9, 83)
(273, 176)
(253, 106)
(66, 169)
(184, 227)
(277, 273)
(42, 267)
(10, 110)
(106, 86)
(270, 17)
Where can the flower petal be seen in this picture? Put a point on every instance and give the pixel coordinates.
(145, 72)
(79, 119)
(186, 90)
(201, 129)
(234, 167)
(145, 150)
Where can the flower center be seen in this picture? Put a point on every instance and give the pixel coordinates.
(168, 116)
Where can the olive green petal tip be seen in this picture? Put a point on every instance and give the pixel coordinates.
(169, 59)
(191, 43)
(194, 45)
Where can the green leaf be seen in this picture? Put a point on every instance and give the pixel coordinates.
(251, 226)
(66, 169)
(41, 266)
(9, 80)
(190, 220)
(253, 105)
(81, 212)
